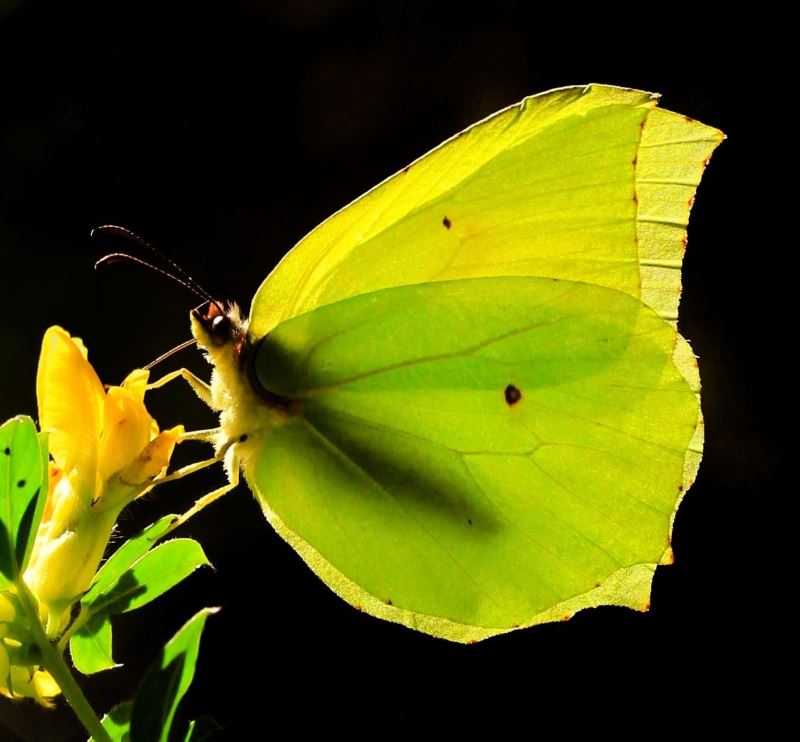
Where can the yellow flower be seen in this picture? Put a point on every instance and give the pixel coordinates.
(8, 613)
(20, 679)
(107, 450)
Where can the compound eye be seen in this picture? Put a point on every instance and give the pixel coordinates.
(220, 328)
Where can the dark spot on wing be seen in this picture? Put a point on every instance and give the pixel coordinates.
(633, 161)
(513, 395)
(447, 223)
(469, 521)
(635, 197)
(389, 602)
(242, 437)
(405, 169)
(21, 483)
(7, 451)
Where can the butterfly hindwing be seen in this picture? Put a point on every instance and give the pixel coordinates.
(463, 456)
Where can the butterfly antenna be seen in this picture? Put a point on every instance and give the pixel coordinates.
(182, 277)
(116, 257)
(171, 352)
(141, 242)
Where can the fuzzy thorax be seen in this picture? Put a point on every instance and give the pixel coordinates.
(244, 419)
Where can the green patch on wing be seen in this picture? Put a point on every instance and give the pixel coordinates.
(472, 456)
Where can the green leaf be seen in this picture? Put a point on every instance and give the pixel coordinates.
(124, 557)
(23, 491)
(151, 575)
(166, 682)
(117, 722)
(513, 460)
(91, 646)
(201, 729)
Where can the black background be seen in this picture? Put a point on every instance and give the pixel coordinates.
(223, 132)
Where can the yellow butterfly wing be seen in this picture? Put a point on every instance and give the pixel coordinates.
(587, 183)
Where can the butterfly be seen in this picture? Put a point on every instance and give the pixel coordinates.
(462, 398)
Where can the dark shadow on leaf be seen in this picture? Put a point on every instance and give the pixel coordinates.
(26, 527)
(119, 597)
(6, 566)
(155, 699)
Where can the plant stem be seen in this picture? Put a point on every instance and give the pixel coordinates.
(53, 662)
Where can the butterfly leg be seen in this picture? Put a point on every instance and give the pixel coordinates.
(188, 469)
(209, 435)
(232, 466)
(201, 435)
(200, 388)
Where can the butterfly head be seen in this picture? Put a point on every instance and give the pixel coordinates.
(217, 325)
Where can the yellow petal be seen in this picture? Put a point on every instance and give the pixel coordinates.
(55, 475)
(126, 431)
(136, 383)
(63, 564)
(81, 347)
(71, 402)
(7, 610)
(154, 458)
(45, 686)
(5, 666)
(63, 508)
(36, 684)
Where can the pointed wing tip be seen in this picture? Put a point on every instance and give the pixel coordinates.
(588, 87)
